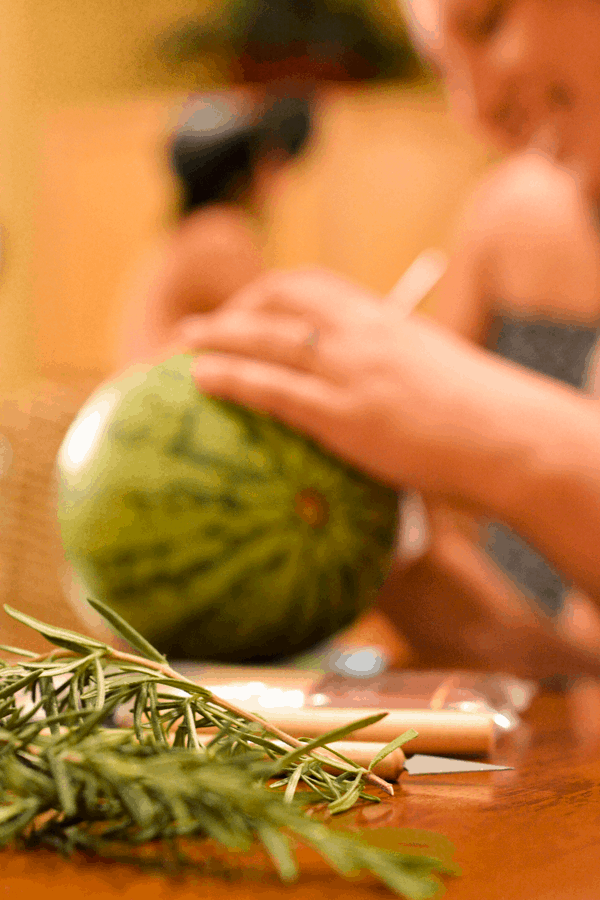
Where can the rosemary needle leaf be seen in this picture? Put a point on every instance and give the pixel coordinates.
(100, 684)
(192, 734)
(64, 787)
(393, 745)
(401, 879)
(157, 731)
(138, 711)
(61, 667)
(126, 631)
(17, 651)
(293, 783)
(12, 810)
(278, 847)
(348, 800)
(337, 735)
(61, 637)
(93, 719)
(10, 689)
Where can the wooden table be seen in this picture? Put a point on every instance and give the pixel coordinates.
(528, 834)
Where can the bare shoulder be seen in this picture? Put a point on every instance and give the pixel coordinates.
(529, 182)
(531, 203)
(527, 242)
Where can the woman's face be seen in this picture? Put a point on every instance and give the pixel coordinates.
(528, 71)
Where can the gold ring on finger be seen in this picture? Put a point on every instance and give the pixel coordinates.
(311, 340)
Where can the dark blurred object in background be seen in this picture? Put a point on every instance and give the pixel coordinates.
(298, 40)
(216, 148)
(289, 46)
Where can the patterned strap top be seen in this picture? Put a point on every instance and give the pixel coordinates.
(563, 352)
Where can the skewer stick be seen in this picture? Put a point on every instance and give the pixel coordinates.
(419, 279)
(415, 284)
(439, 731)
(443, 731)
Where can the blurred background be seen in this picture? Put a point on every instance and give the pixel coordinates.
(84, 187)
(91, 92)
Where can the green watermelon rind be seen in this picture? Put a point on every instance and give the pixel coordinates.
(240, 575)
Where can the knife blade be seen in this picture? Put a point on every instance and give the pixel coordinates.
(422, 764)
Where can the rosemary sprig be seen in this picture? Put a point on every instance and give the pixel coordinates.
(70, 781)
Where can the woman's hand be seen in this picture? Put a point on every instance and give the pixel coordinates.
(340, 364)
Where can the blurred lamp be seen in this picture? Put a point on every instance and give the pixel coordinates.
(266, 41)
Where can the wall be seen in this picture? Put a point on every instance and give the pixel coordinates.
(53, 55)
(84, 187)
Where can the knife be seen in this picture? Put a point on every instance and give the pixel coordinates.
(422, 764)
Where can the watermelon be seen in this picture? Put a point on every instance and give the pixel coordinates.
(216, 531)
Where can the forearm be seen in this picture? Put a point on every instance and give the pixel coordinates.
(559, 509)
(457, 610)
(522, 448)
